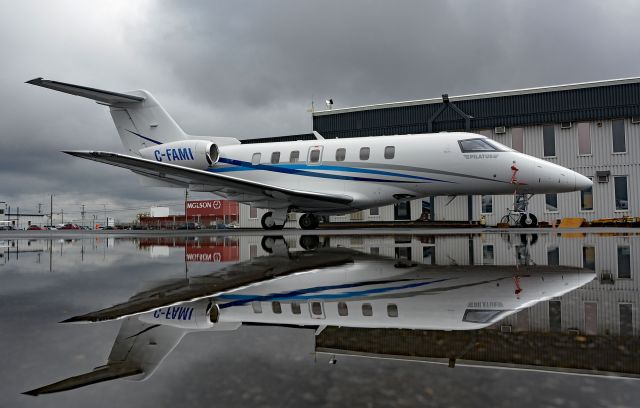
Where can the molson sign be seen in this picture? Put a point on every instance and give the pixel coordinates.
(212, 252)
(212, 208)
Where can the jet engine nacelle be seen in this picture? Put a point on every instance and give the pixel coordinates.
(196, 154)
(201, 314)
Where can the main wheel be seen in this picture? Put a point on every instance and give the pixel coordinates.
(269, 223)
(528, 220)
(308, 221)
(309, 242)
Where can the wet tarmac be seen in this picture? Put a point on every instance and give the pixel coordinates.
(374, 318)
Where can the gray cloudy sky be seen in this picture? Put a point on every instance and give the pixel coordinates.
(250, 69)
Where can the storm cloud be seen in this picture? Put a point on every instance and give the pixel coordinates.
(251, 69)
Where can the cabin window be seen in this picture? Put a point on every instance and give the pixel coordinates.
(624, 262)
(316, 308)
(275, 157)
(549, 140)
(619, 142)
(314, 156)
(343, 310)
(295, 308)
(476, 145)
(276, 307)
(257, 307)
(367, 310)
(622, 199)
(392, 310)
(341, 154)
(389, 152)
(584, 139)
(364, 153)
(255, 159)
(294, 157)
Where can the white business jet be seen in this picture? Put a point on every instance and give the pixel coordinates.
(317, 177)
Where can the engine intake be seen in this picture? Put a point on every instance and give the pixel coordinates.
(196, 154)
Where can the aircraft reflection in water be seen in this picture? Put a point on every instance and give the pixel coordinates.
(317, 288)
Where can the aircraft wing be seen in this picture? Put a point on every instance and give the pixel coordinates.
(137, 351)
(222, 183)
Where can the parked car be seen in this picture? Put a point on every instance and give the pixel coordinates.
(34, 227)
(70, 227)
(49, 227)
(189, 225)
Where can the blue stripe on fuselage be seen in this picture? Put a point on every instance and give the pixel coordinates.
(312, 293)
(304, 170)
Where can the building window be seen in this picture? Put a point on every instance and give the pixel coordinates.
(341, 154)
(403, 253)
(364, 153)
(555, 316)
(517, 139)
(553, 255)
(374, 251)
(295, 308)
(549, 140)
(624, 262)
(584, 139)
(257, 307)
(589, 257)
(487, 204)
(276, 307)
(253, 251)
(392, 310)
(255, 159)
(389, 152)
(294, 157)
(586, 199)
(314, 156)
(619, 139)
(591, 318)
(367, 310)
(488, 255)
(626, 319)
(374, 211)
(551, 201)
(429, 255)
(253, 212)
(343, 310)
(275, 157)
(620, 186)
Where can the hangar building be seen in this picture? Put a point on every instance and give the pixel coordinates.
(592, 128)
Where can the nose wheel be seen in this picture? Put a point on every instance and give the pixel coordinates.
(528, 220)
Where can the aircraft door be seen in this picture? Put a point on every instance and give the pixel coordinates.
(316, 309)
(315, 155)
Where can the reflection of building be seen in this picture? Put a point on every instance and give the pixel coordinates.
(24, 220)
(202, 249)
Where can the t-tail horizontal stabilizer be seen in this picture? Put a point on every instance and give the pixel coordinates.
(105, 373)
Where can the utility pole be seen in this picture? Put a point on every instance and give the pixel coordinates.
(82, 216)
(62, 215)
(39, 208)
(51, 212)
(106, 221)
(186, 197)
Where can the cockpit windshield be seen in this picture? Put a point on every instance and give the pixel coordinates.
(483, 315)
(477, 145)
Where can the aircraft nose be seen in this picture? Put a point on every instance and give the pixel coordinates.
(582, 182)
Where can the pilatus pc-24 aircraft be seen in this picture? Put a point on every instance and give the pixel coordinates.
(317, 177)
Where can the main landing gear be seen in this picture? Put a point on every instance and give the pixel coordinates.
(269, 222)
(520, 215)
(309, 221)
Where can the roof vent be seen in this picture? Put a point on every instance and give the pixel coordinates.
(565, 125)
(500, 130)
